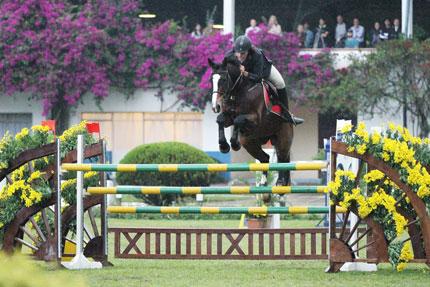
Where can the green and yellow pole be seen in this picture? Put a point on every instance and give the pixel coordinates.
(223, 210)
(205, 189)
(305, 165)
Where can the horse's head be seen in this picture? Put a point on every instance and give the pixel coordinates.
(224, 79)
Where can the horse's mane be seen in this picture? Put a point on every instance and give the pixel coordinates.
(230, 60)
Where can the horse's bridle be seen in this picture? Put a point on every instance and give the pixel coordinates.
(227, 93)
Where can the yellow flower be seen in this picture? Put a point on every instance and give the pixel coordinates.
(401, 266)
(373, 175)
(361, 132)
(361, 149)
(39, 128)
(346, 128)
(24, 132)
(376, 138)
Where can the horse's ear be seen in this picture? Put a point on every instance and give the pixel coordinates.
(212, 64)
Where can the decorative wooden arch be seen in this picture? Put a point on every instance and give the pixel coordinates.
(341, 251)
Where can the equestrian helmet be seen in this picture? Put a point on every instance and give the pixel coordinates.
(242, 44)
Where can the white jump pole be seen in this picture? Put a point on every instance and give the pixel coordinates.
(58, 204)
(352, 165)
(80, 261)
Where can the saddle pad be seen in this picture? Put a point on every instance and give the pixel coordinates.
(276, 109)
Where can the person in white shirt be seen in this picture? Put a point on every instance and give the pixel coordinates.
(340, 32)
(253, 27)
(358, 31)
(197, 32)
(274, 27)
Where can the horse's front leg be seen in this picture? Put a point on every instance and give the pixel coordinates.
(222, 121)
(234, 140)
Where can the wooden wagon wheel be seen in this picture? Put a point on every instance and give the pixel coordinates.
(38, 234)
(344, 249)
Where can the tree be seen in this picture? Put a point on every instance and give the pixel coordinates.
(395, 77)
(50, 54)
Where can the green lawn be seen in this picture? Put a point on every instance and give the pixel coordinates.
(133, 273)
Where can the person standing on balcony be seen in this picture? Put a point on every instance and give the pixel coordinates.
(309, 35)
(300, 33)
(321, 35)
(197, 32)
(340, 32)
(375, 34)
(252, 28)
(274, 27)
(358, 32)
(396, 29)
(209, 29)
(350, 41)
(386, 31)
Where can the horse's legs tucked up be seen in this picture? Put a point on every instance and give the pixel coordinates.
(222, 121)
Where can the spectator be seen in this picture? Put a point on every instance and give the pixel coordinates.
(321, 34)
(274, 27)
(396, 29)
(375, 34)
(253, 27)
(300, 33)
(209, 29)
(197, 32)
(340, 32)
(350, 41)
(358, 31)
(309, 35)
(386, 31)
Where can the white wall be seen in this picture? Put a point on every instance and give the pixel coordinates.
(19, 104)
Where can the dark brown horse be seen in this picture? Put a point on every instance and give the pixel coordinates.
(242, 106)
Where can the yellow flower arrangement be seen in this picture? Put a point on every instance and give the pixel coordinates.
(73, 131)
(406, 255)
(346, 128)
(373, 175)
(39, 128)
(23, 133)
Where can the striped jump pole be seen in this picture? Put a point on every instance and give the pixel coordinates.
(223, 210)
(205, 189)
(300, 165)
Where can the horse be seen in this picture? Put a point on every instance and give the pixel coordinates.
(242, 105)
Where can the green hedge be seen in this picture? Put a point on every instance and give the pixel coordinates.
(166, 152)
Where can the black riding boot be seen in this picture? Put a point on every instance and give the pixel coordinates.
(283, 100)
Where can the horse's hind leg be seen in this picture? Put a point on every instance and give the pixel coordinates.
(282, 143)
(253, 147)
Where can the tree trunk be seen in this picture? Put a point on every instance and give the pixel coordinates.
(61, 114)
(424, 125)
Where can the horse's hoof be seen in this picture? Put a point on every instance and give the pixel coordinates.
(281, 182)
(224, 147)
(235, 146)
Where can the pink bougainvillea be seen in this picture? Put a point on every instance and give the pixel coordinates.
(50, 49)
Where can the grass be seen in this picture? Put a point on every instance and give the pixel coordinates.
(137, 273)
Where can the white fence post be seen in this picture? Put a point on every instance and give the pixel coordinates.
(80, 261)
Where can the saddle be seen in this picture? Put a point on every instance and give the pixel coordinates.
(274, 106)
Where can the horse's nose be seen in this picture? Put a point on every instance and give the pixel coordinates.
(216, 109)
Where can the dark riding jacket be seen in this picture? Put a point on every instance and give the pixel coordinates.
(256, 64)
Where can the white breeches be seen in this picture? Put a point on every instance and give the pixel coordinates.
(276, 78)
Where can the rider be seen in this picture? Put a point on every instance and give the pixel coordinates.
(255, 66)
